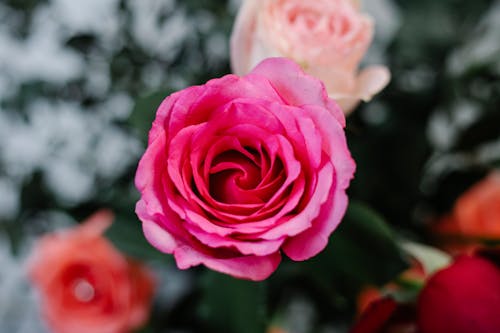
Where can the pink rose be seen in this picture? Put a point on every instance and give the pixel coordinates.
(240, 168)
(86, 284)
(328, 38)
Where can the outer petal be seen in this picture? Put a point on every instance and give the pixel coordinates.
(371, 81)
(164, 110)
(348, 104)
(156, 235)
(97, 223)
(296, 87)
(148, 176)
(334, 144)
(256, 247)
(348, 89)
(256, 268)
(312, 241)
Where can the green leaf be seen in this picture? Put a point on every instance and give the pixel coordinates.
(432, 259)
(363, 250)
(126, 234)
(144, 112)
(231, 305)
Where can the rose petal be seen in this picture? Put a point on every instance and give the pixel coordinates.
(303, 220)
(256, 268)
(334, 144)
(148, 175)
(371, 81)
(313, 240)
(97, 223)
(294, 86)
(159, 237)
(258, 247)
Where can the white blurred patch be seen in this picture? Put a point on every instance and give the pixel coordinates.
(159, 27)
(387, 17)
(89, 16)
(205, 20)
(445, 127)
(9, 199)
(22, 150)
(482, 48)
(416, 79)
(69, 182)
(19, 311)
(111, 152)
(118, 106)
(41, 56)
(98, 78)
(217, 47)
(76, 149)
(73, 147)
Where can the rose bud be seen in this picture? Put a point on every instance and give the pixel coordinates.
(462, 298)
(87, 285)
(328, 38)
(241, 169)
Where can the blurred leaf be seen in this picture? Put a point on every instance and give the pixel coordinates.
(232, 305)
(145, 329)
(144, 112)
(126, 234)
(432, 259)
(363, 250)
(486, 129)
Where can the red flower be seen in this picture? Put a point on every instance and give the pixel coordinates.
(462, 298)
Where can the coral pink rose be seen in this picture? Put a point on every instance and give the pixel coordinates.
(242, 168)
(475, 216)
(462, 298)
(477, 211)
(328, 38)
(86, 285)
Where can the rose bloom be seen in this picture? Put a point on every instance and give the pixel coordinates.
(462, 298)
(328, 38)
(476, 213)
(86, 285)
(378, 312)
(242, 168)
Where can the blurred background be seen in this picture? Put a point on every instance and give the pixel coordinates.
(80, 82)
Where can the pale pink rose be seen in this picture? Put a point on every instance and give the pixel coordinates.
(243, 168)
(87, 285)
(328, 38)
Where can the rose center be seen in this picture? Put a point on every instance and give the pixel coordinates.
(83, 291)
(304, 18)
(232, 175)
